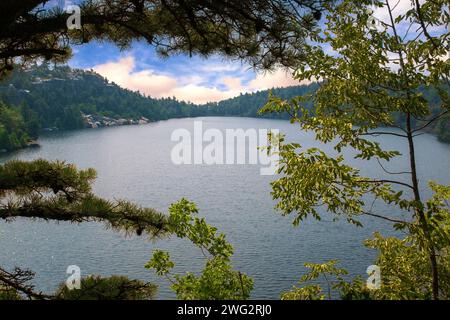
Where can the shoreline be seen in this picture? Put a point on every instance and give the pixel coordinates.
(132, 122)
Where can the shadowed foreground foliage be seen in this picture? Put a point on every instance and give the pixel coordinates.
(265, 33)
(92, 288)
(57, 191)
(112, 288)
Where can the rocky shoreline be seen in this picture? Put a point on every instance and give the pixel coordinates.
(96, 121)
(90, 121)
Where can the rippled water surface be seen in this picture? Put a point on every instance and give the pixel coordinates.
(134, 163)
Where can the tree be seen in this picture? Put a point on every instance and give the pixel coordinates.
(314, 292)
(57, 191)
(31, 121)
(371, 75)
(14, 131)
(263, 32)
(218, 281)
(112, 288)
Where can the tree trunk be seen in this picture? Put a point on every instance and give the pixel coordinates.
(419, 211)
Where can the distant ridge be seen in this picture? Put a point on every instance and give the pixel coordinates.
(59, 95)
(48, 98)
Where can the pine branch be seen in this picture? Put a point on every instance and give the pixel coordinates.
(17, 281)
(120, 216)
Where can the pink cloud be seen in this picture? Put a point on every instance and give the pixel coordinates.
(191, 89)
(277, 79)
(146, 82)
(233, 83)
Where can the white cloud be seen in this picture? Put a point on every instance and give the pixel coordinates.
(214, 67)
(401, 7)
(233, 83)
(202, 94)
(398, 7)
(146, 81)
(276, 79)
(196, 87)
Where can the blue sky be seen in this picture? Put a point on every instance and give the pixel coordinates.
(194, 79)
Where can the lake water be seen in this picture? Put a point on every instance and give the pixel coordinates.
(133, 163)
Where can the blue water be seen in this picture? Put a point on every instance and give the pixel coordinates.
(134, 163)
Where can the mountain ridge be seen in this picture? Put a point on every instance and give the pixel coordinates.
(45, 98)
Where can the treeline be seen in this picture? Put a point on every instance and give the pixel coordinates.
(59, 95)
(55, 98)
(248, 105)
(440, 128)
(43, 97)
(18, 126)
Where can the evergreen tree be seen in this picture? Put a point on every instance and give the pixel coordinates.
(265, 33)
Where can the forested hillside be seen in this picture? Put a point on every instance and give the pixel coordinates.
(247, 105)
(45, 97)
(18, 126)
(58, 95)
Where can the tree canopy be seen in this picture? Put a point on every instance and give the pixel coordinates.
(42, 97)
(370, 76)
(265, 33)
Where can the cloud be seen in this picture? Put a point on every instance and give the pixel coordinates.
(214, 67)
(201, 94)
(400, 7)
(202, 86)
(145, 81)
(276, 79)
(233, 83)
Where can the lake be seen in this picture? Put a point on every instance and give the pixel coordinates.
(134, 163)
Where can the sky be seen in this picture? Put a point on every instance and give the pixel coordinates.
(192, 79)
